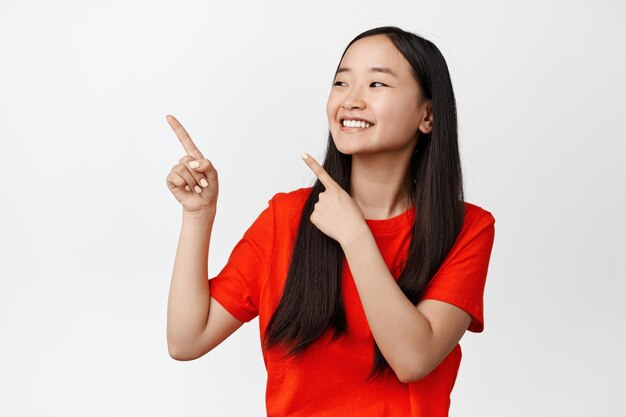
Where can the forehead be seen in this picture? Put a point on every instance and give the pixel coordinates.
(377, 50)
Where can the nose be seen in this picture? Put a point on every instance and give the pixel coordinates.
(353, 101)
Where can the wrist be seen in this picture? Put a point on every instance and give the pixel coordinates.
(356, 235)
(200, 215)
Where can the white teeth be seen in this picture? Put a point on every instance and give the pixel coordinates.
(356, 123)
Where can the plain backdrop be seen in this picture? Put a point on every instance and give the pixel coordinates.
(88, 228)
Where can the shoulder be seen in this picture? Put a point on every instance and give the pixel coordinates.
(287, 205)
(292, 199)
(477, 216)
(478, 223)
(286, 210)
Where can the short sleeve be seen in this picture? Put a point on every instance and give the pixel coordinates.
(237, 286)
(461, 278)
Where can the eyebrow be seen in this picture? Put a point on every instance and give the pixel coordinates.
(384, 70)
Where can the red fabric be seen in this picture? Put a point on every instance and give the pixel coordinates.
(330, 378)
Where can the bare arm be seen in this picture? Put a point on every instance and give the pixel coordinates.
(189, 298)
(196, 322)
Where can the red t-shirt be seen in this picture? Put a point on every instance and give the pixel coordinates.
(329, 379)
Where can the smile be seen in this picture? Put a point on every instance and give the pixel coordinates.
(354, 125)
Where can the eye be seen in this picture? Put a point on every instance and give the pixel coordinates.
(375, 82)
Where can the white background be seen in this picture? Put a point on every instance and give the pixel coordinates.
(88, 228)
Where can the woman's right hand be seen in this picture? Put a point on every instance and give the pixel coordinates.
(184, 181)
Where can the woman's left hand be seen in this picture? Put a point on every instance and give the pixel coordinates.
(336, 214)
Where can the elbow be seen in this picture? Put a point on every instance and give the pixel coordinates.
(180, 354)
(181, 357)
(181, 348)
(412, 376)
(175, 354)
(412, 372)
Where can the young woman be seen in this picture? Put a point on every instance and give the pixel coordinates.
(365, 282)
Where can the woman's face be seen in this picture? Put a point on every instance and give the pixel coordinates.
(388, 100)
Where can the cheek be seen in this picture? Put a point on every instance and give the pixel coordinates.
(396, 126)
(387, 114)
(331, 106)
(400, 116)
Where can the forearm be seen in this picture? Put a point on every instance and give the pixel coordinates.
(189, 297)
(399, 329)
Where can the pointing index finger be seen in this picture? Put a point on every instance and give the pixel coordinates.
(319, 171)
(184, 137)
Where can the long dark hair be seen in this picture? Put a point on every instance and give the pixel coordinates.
(312, 300)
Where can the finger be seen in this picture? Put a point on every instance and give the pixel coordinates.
(193, 167)
(204, 166)
(319, 171)
(183, 171)
(174, 180)
(184, 137)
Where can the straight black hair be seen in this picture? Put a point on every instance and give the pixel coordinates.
(312, 299)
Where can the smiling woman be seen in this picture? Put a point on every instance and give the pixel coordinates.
(365, 282)
(375, 83)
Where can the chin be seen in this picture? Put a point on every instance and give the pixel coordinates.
(350, 145)
(342, 149)
(344, 146)
(351, 150)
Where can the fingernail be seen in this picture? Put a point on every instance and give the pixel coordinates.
(198, 189)
(187, 188)
(304, 156)
(194, 164)
(204, 182)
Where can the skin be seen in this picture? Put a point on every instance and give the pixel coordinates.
(413, 339)
(381, 153)
(196, 187)
(196, 322)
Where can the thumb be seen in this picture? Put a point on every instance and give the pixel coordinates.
(204, 165)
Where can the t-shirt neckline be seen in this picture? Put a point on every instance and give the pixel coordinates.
(394, 223)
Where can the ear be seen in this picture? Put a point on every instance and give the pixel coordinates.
(427, 122)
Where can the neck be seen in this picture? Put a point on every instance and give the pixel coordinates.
(379, 185)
